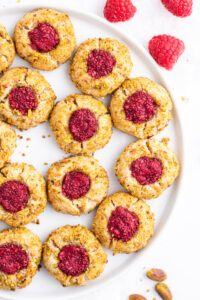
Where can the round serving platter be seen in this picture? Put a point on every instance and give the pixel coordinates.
(38, 147)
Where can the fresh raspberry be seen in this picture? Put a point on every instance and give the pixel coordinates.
(179, 8)
(119, 10)
(100, 63)
(139, 107)
(12, 258)
(73, 260)
(43, 38)
(22, 99)
(122, 224)
(14, 195)
(75, 185)
(146, 170)
(166, 50)
(83, 124)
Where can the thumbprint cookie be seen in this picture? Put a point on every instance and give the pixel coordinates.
(141, 107)
(26, 98)
(76, 184)
(45, 38)
(7, 50)
(81, 124)
(72, 255)
(146, 168)
(20, 255)
(100, 66)
(22, 194)
(8, 142)
(123, 223)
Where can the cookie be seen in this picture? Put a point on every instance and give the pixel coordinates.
(72, 255)
(141, 107)
(20, 255)
(100, 66)
(26, 98)
(7, 49)
(146, 168)
(45, 38)
(123, 223)
(22, 194)
(8, 142)
(81, 124)
(76, 184)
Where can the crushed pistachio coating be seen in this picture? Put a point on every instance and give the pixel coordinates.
(98, 188)
(153, 149)
(79, 236)
(59, 123)
(107, 84)
(64, 28)
(163, 106)
(37, 193)
(29, 242)
(137, 206)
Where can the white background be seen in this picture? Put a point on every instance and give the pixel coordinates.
(177, 249)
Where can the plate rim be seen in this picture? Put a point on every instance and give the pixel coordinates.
(63, 5)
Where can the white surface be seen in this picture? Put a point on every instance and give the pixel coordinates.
(177, 248)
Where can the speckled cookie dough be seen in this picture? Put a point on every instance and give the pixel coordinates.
(81, 124)
(100, 66)
(146, 168)
(22, 194)
(20, 255)
(8, 142)
(7, 50)
(26, 98)
(76, 184)
(123, 223)
(45, 38)
(72, 255)
(141, 107)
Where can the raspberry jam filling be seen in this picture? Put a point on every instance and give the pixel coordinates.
(122, 224)
(44, 38)
(100, 63)
(83, 124)
(23, 99)
(12, 258)
(73, 260)
(14, 195)
(146, 170)
(139, 107)
(75, 185)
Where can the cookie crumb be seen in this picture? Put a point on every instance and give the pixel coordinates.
(43, 136)
(28, 139)
(37, 221)
(49, 135)
(147, 290)
(45, 163)
(20, 136)
(166, 140)
(23, 154)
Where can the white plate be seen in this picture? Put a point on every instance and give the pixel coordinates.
(46, 150)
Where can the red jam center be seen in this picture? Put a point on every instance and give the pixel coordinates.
(146, 170)
(139, 107)
(12, 258)
(122, 224)
(23, 99)
(14, 195)
(83, 124)
(100, 63)
(73, 260)
(43, 38)
(75, 185)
